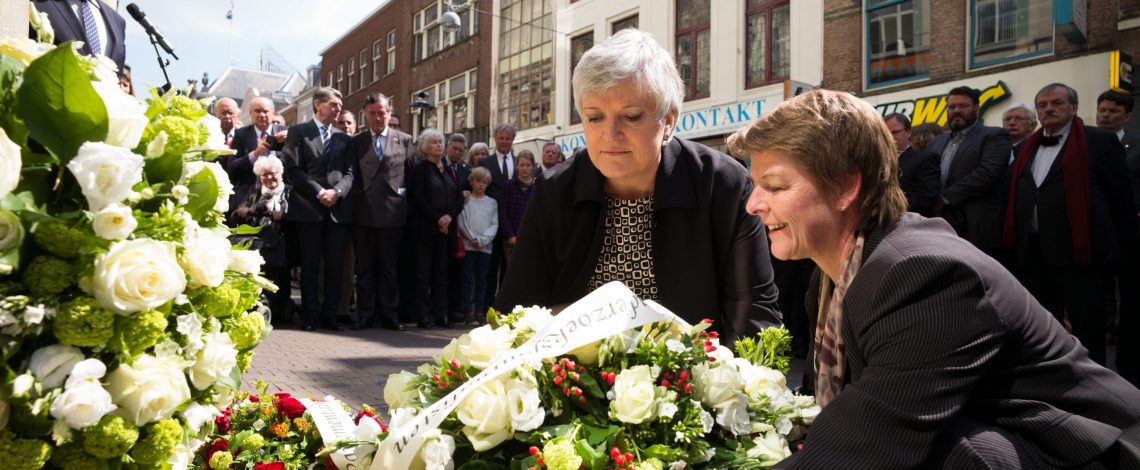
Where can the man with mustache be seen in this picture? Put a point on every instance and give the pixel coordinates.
(974, 158)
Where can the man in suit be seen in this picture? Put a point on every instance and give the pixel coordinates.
(227, 110)
(1068, 211)
(918, 169)
(460, 171)
(1020, 120)
(97, 24)
(501, 164)
(346, 122)
(321, 168)
(380, 212)
(974, 158)
(250, 143)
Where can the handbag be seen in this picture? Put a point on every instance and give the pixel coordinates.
(458, 251)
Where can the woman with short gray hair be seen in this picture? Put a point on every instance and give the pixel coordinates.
(266, 207)
(627, 206)
(436, 202)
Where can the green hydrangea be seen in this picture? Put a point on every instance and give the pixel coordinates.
(71, 456)
(244, 359)
(651, 464)
(135, 333)
(82, 322)
(219, 302)
(250, 293)
(160, 441)
(21, 454)
(181, 134)
(111, 437)
(560, 455)
(221, 459)
(47, 275)
(245, 329)
(253, 442)
(60, 240)
(184, 107)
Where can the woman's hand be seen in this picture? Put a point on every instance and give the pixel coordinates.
(511, 241)
(443, 223)
(243, 211)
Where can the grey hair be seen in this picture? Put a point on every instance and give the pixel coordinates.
(270, 163)
(457, 137)
(324, 94)
(506, 127)
(1029, 111)
(1054, 86)
(428, 135)
(630, 54)
(477, 146)
(268, 101)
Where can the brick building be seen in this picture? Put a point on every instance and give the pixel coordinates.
(909, 53)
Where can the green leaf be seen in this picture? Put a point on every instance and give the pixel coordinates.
(10, 70)
(597, 434)
(233, 379)
(203, 194)
(59, 105)
(244, 229)
(167, 168)
(592, 457)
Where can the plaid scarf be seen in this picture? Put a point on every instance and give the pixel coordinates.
(829, 362)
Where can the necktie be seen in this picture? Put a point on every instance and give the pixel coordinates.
(1049, 140)
(89, 28)
(379, 148)
(506, 173)
(325, 139)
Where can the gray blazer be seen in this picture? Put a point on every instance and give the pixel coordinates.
(379, 192)
(938, 333)
(973, 182)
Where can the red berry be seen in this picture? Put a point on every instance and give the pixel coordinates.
(555, 368)
(566, 391)
(557, 380)
(540, 461)
(450, 373)
(574, 376)
(533, 450)
(629, 457)
(708, 343)
(665, 383)
(620, 460)
(706, 320)
(688, 388)
(443, 384)
(615, 452)
(455, 363)
(435, 377)
(577, 391)
(570, 364)
(713, 334)
(685, 374)
(582, 400)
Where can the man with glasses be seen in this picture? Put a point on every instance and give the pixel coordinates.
(1020, 120)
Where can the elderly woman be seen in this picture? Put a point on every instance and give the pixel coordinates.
(663, 215)
(436, 201)
(266, 208)
(477, 152)
(928, 354)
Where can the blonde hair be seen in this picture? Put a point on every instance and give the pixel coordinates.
(831, 135)
(479, 174)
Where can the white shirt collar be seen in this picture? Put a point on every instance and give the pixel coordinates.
(1120, 134)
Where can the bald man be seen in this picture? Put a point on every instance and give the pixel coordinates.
(262, 138)
(227, 110)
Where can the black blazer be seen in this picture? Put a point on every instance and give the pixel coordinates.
(238, 166)
(972, 182)
(1132, 157)
(68, 28)
(380, 190)
(433, 194)
(920, 179)
(498, 179)
(1112, 212)
(937, 331)
(308, 170)
(462, 174)
(710, 257)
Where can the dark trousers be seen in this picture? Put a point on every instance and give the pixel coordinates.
(496, 268)
(377, 278)
(1071, 289)
(431, 279)
(321, 240)
(474, 284)
(1128, 329)
(279, 301)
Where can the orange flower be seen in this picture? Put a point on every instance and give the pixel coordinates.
(302, 424)
(279, 429)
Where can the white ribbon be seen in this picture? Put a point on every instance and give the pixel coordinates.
(610, 309)
(334, 424)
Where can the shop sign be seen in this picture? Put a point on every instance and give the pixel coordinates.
(933, 108)
(1120, 74)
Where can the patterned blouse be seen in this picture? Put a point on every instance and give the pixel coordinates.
(627, 250)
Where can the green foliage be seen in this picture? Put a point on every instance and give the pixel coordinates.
(219, 302)
(767, 349)
(134, 334)
(159, 441)
(245, 329)
(111, 437)
(203, 194)
(60, 239)
(47, 275)
(22, 454)
(59, 105)
(82, 322)
(71, 456)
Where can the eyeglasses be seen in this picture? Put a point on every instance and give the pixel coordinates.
(1014, 118)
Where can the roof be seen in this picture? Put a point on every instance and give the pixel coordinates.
(236, 80)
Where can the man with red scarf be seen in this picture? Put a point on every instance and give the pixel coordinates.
(1068, 210)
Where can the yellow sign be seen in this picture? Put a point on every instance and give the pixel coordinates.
(933, 108)
(1120, 72)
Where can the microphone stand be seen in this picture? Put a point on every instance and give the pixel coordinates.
(162, 63)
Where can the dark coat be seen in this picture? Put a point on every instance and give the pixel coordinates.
(309, 171)
(433, 194)
(1112, 213)
(920, 179)
(270, 240)
(68, 27)
(498, 179)
(710, 257)
(935, 332)
(380, 190)
(1132, 157)
(238, 166)
(973, 183)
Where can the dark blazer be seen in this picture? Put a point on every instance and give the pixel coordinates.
(380, 190)
(937, 332)
(238, 166)
(1112, 212)
(462, 174)
(920, 179)
(308, 170)
(710, 257)
(1132, 157)
(68, 27)
(498, 179)
(972, 183)
(433, 194)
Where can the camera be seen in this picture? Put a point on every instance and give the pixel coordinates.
(273, 144)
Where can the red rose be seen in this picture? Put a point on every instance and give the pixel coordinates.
(269, 466)
(253, 398)
(363, 413)
(222, 423)
(290, 407)
(283, 395)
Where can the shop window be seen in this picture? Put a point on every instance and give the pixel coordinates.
(767, 42)
(693, 46)
(578, 46)
(1008, 30)
(431, 37)
(526, 62)
(898, 41)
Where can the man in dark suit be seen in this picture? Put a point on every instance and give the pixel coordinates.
(455, 151)
(321, 168)
(250, 143)
(226, 110)
(974, 158)
(380, 212)
(1068, 212)
(97, 24)
(501, 164)
(918, 169)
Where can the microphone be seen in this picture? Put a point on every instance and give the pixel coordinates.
(153, 32)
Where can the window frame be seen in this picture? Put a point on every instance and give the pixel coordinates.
(575, 118)
(872, 5)
(391, 46)
(525, 65)
(972, 43)
(693, 33)
(767, 8)
(377, 47)
(423, 30)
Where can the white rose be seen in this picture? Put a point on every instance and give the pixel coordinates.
(451, 351)
(114, 222)
(400, 417)
(105, 173)
(396, 393)
(51, 364)
(205, 258)
(11, 230)
(126, 115)
(366, 430)
(23, 49)
(136, 275)
(197, 415)
(525, 406)
(720, 353)
(769, 446)
(484, 343)
(225, 188)
(733, 415)
(716, 385)
(245, 261)
(10, 163)
(437, 453)
(484, 413)
(633, 395)
(762, 380)
(82, 404)
(157, 146)
(214, 361)
(809, 413)
(149, 389)
(534, 318)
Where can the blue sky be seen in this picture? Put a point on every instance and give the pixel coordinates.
(206, 42)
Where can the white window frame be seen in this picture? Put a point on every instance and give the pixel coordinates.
(377, 47)
(391, 52)
(363, 65)
(422, 30)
